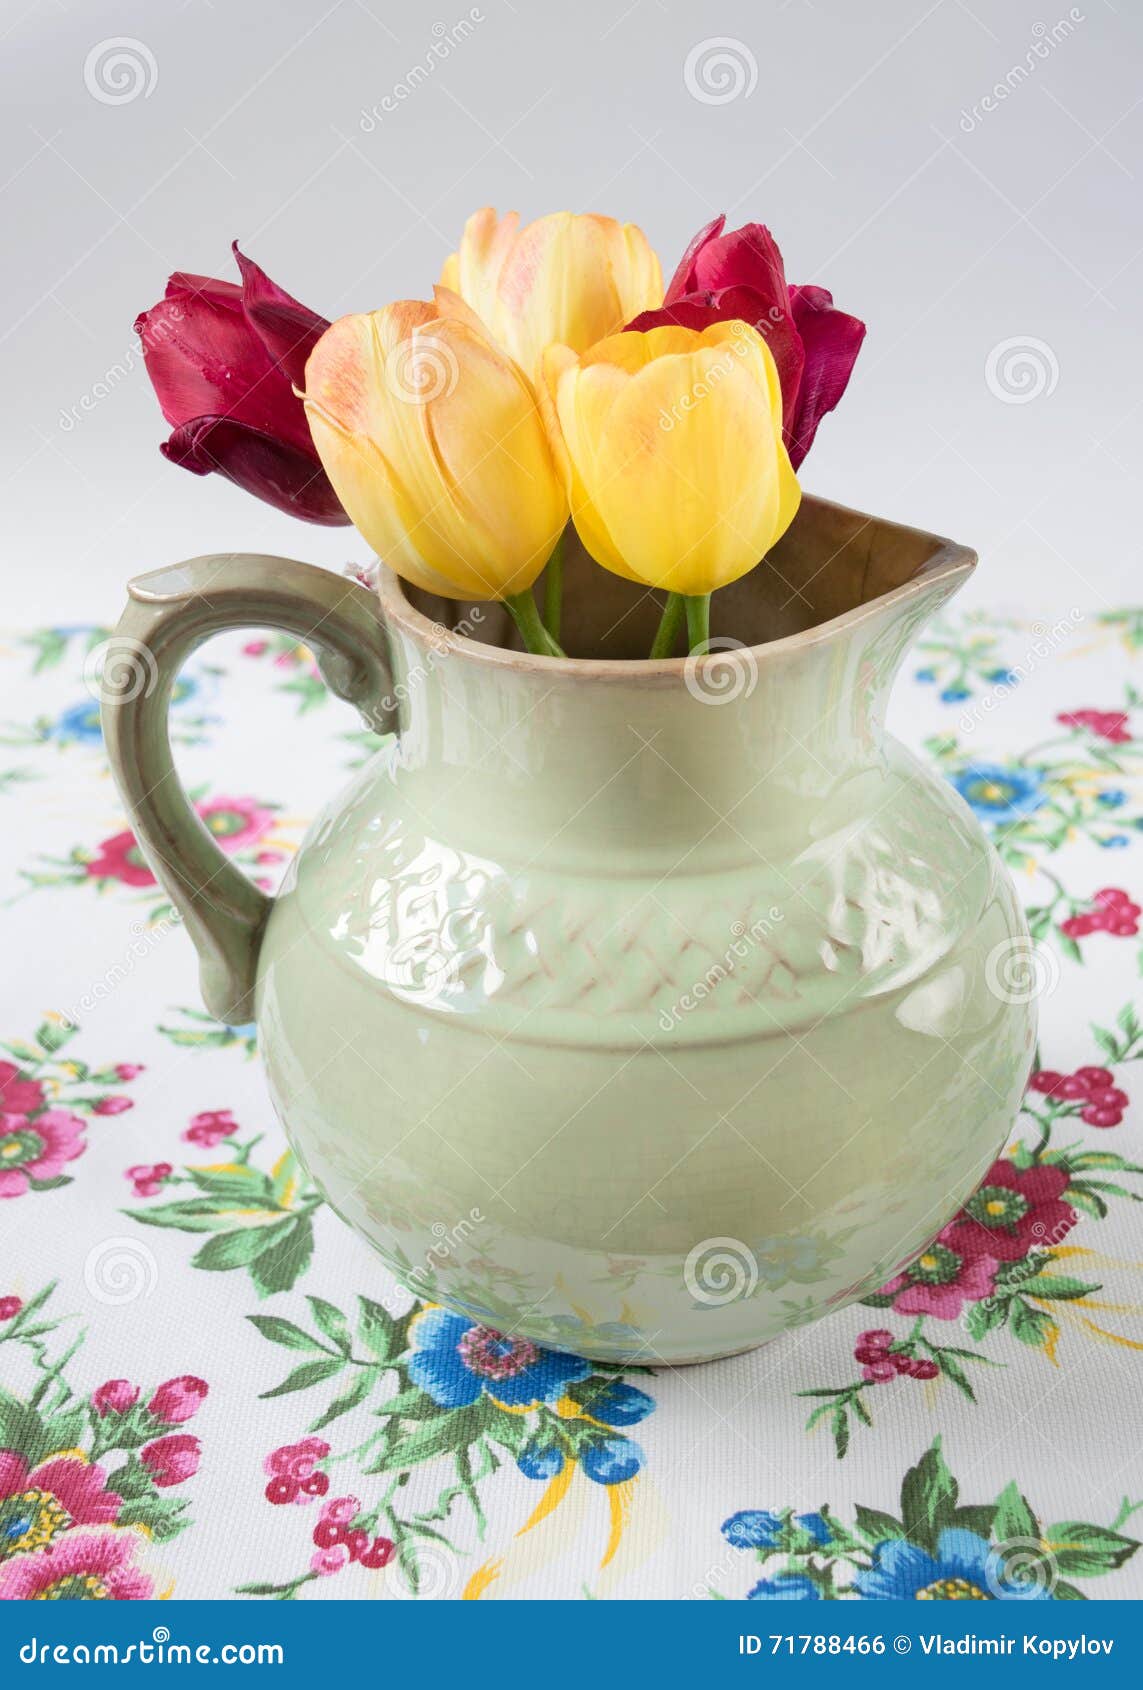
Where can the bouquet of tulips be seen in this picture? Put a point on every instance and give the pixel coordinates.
(549, 378)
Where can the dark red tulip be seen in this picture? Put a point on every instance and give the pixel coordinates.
(224, 360)
(741, 275)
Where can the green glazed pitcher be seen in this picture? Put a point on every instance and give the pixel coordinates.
(638, 1009)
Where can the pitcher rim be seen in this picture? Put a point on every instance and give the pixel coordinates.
(950, 561)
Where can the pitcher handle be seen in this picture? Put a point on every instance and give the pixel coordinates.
(169, 614)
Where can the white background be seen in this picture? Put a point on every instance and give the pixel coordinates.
(951, 234)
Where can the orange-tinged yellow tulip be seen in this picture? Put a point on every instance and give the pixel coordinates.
(568, 278)
(435, 443)
(671, 447)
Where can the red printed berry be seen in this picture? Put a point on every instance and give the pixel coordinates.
(877, 1372)
(281, 1489)
(1096, 1117)
(1073, 1087)
(1111, 896)
(329, 1532)
(357, 1542)
(316, 1485)
(925, 1370)
(900, 1361)
(1094, 1078)
(379, 1553)
(1046, 1080)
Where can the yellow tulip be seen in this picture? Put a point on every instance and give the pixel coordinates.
(671, 447)
(567, 278)
(435, 445)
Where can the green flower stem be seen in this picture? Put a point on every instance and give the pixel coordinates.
(521, 607)
(698, 622)
(668, 631)
(554, 589)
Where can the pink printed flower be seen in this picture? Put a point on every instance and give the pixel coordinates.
(112, 1105)
(235, 822)
(255, 648)
(210, 1127)
(178, 1399)
(148, 1177)
(949, 1273)
(1105, 724)
(114, 1396)
(89, 1565)
(128, 1070)
(120, 858)
(1014, 1210)
(37, 1148)
(18, 1094)
(10, 1307)
(173, 1459)
(37, 1505)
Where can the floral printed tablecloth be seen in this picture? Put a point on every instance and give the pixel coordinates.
(210, 1387)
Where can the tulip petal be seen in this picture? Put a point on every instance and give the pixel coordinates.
(832, 340)
(564, 279)
(280, 474)
(683, 281)
(435, 444)
(576, 404)
(699, 484)
(288, 330)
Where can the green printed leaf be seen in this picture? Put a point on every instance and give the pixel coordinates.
(1014, 1518)
(193, 1214)
(281, 1266)
(1033, 1327)
(875, 1526)
(987, 1316)
(237, 1183)
(357, 1392)
(332, 1323)
(1082, 1548)
(928, 1498)
(1059, 1286)
(284, 1332)
(309, 1373)
(377, 1329)
(234, 1249)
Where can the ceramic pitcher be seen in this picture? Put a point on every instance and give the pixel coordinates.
(637, 1009)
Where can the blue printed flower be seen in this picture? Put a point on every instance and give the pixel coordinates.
(79, 724)
(611, 1461)
(954, 695)
(758, 1528)
(997, 794)
(753, 1528)
(965, 1568)
(1113, 799)
(456, 1361)
(785, 1587)
(925, 675)
(1002, 677)
(1115, 842)
(617, 1404)
(540, 1460)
